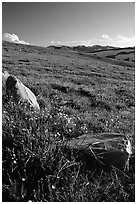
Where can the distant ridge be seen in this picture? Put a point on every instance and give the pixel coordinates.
(94, 48)
(83, 48)
(88, 49)
(78, 48)
(59, 47)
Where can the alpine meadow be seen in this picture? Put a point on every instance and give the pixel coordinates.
(82, 92)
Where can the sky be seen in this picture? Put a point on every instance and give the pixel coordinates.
(69, 23)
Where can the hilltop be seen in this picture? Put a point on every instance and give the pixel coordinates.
(72, 74)
(114, 55)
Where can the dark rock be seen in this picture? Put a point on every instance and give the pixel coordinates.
(102, 150)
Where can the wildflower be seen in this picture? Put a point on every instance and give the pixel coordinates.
(87, 183)
(53, 187)
(14, 155)
(14, 162)
(23, 179)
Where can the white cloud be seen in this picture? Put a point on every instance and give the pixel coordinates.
(59, 42)
(52, 42)
(72, 43)
(103, 40)
(13, 38)
(106, 38)
(122, 39)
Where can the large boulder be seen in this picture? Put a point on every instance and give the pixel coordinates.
(19, 92)
(102, 150)
(5, 75)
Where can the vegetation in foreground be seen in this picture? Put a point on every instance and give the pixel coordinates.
(35, 166)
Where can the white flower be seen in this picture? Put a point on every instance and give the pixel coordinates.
(53, 187)
(14, 162)
(23, 179)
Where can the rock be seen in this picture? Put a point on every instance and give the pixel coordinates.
(102, 150)
(19, 92)
(5, 75)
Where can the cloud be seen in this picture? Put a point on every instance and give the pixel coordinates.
(72, 43)
(103, 40)
(122, 39)
(106, 38)
(13, 38)
(52, 42)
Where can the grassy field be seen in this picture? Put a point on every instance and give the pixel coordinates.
(77, 94)
(119, 56)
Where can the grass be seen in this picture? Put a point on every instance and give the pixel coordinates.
(77, 95)
(36, 167)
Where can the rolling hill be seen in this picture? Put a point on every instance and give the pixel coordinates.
(79, 92)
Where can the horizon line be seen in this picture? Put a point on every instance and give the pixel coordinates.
(71, 46)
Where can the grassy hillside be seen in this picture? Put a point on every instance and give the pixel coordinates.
(77, 94)
(119, 56)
